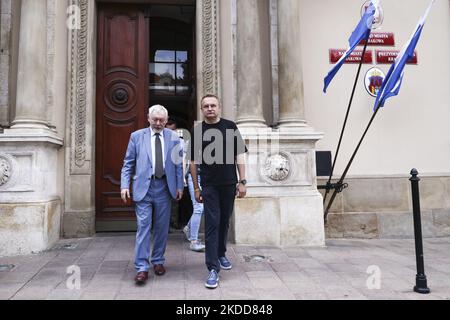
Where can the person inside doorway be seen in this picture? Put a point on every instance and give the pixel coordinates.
(175, 217)
(192, 228)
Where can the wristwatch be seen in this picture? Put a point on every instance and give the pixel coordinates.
(243, 182)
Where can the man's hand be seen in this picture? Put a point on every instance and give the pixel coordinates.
(198, 196)
(179, 195)
(241, 191)
(124, 194)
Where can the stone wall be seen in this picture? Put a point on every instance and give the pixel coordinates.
(382, 208)
(29, 227)
(412, 130)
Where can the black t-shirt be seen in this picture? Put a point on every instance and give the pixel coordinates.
(215, 147)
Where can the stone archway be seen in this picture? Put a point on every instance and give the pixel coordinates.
(79, 204)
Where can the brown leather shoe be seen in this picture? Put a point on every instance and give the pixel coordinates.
(159, 269)
(141, 277)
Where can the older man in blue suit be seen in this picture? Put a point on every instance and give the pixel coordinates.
(153, 163)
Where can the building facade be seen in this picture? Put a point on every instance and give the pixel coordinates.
(77, 77)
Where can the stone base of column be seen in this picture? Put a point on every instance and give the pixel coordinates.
(294, 123)
(30, 125)
(283, 206)
(38, 133)
(280, 221)
(29, 227)
(79, 204)
(78, 224)
(251, 123)
(30, 210)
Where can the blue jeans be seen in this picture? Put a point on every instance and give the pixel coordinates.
(154, 210)
(196, 218)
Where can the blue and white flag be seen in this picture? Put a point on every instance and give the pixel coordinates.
(361, 32)
(393, 81)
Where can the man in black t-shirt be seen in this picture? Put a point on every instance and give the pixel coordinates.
(217, 146)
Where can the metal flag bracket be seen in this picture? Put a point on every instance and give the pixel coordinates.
(338, 186)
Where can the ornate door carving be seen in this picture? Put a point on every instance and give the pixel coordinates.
(122, 98)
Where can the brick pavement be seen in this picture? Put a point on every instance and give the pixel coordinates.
(337, 271)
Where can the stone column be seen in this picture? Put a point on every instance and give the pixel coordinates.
(292, 111)
(29, 150)
(283, 206)
(5, 61)
(31, 79)
(249, 69)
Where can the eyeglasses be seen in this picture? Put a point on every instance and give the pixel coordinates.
(161, 121)
(207, 106)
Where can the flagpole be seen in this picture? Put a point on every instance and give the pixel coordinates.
(346, 118)
(335, 192)
(390, 87)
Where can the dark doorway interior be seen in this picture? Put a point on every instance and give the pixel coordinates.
(171, 69)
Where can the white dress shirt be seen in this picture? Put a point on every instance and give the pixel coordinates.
(153, 140)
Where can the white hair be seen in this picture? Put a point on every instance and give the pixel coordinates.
(158, 109)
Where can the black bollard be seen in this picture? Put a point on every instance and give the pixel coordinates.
(421, 278)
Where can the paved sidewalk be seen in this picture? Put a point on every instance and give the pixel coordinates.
(337, 271)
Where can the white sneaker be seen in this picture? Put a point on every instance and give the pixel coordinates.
(187, 232)
(197, 246)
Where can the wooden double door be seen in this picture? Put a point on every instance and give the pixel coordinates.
(141, 61)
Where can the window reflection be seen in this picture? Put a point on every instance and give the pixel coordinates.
(182, 78)
(169, 61)
(182, 56)
(162, 78)
(164, 56)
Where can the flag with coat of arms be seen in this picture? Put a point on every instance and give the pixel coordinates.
(393, 81)
(361, 32)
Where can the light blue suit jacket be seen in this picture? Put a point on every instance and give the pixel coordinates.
(138, 167)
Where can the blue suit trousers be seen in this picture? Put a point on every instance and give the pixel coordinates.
(152, 211)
